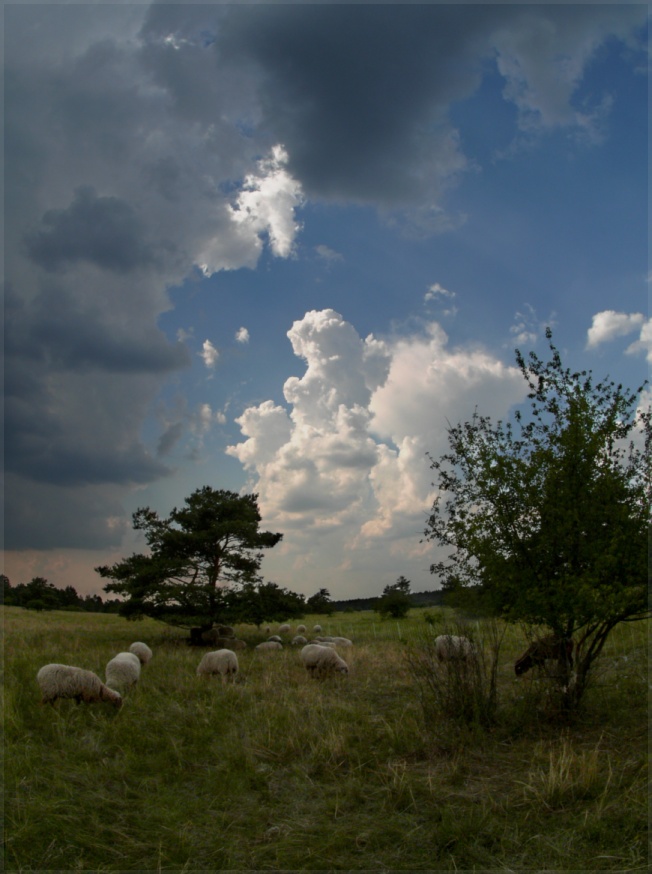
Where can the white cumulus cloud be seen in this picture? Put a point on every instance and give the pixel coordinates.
(209, 354)
(268, 201)
(343, 471)
(242, 335)
(609, 324)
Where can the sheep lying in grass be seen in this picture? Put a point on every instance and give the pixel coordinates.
(322, 660)
(66, 681)
(268, 645)
(123, 670)
(141, 649)
(222, 661)
(545, 649)
(451, 647)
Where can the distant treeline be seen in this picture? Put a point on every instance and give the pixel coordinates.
(417, 599)
(39, 594)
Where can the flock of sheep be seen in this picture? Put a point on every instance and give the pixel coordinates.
(66, 681)
(319, 656)
(123, 670)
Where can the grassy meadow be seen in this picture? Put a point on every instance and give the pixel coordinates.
(283, 772)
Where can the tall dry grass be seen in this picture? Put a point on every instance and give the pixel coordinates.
(279, 771)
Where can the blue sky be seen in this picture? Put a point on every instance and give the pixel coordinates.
(276, 248)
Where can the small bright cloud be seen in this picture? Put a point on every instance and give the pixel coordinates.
(267, 202)
(242, 335)
(209, 354)
(608, 324)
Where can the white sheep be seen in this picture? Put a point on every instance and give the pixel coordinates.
(316, 628)
(342, 641)
(221, 661)
(301, 629)
(321, 660)
(269, 645)
(67, 681)
(451, 647)
(123, 670)
(319, 641)
(299, 640)
(284, 629)
(141, 649)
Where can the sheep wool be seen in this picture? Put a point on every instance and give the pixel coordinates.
(451, 647)
(316, 628)
(275, 637)
(268, 645)
(223, 662)
(299, 640)
(66, 681)
(284, 629)
(301, 629)
(322, 660)
(141, 649)
(123, 670)
(342, 641)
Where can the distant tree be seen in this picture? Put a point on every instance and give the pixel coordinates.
(548, 518)
(320, 602)
(6, 591)
(198, 555)
(39, 594)
(395, 600)
(262, 602)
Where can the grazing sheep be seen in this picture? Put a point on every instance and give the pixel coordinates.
(269, 645)
(325, 638)
(299, 640)
(143, 652)
(225, 630)
(342, 641)
(66, 681)
(319, 641)
(316, 628)
(222, 661)
(123, 670)
(301, 629)
(284, 629)
(275, 637)
(544, 649)
(451, 647)
(322, 660)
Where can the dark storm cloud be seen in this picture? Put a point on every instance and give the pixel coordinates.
(103, 230)
(41, 516)
(359, 95)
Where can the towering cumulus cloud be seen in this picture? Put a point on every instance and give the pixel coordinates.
(344, 472)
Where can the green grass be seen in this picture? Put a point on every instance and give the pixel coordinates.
(279, 771)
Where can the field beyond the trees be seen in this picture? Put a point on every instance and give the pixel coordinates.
(283, 772)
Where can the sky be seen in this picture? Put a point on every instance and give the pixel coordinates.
(281, 248)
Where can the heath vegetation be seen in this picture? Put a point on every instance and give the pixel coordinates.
(280, 771)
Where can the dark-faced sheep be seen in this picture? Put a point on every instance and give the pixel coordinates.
(545, 649)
